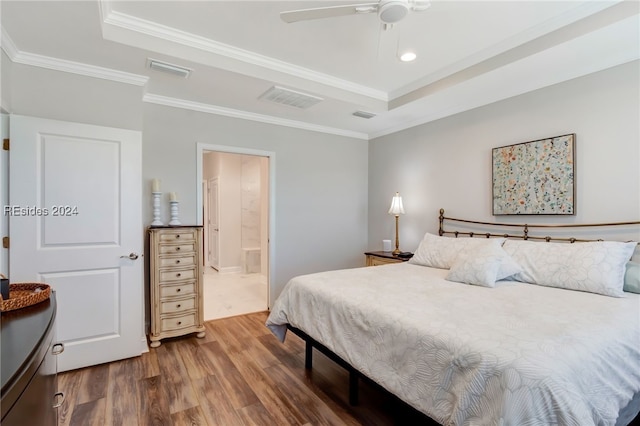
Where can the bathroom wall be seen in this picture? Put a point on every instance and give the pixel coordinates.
(251, 202)
(241, 208)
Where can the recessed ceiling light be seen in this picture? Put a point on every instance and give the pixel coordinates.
(408, 56)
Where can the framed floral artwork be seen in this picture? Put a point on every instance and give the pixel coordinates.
(536, 177)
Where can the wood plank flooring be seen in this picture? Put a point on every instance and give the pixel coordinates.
(239, 374)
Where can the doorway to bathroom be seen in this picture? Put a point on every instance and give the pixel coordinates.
(235, 213)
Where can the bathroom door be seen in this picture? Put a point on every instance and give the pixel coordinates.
(214, 225)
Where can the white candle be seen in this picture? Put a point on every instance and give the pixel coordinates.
(172, 196)
(155, 185)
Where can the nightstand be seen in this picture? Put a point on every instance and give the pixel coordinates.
(375, 258)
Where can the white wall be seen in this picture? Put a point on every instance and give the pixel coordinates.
(5, 80)
(251, 202)
(447, 163)
(320, 184)
(230, 207)
(315, 173)
(39, 92)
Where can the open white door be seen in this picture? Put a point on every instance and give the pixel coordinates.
(214, 224)
(76, 224)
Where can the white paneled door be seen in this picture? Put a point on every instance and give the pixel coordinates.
(75, 222)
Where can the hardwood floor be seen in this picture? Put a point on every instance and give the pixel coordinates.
(239, 374)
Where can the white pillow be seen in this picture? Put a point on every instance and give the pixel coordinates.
(594, 267)
(508, 266)
(441, 252)
(479, 265)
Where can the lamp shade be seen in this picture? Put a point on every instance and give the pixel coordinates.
(396, 205)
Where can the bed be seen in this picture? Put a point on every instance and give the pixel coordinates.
(462, 334)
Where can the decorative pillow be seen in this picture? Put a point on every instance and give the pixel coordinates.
(479, 265)
(594, 267)
(441, 252)
(632, 278)
(508, 267)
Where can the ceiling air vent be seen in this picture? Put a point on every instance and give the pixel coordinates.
(364, 114)
(289, 97)
(168, 68)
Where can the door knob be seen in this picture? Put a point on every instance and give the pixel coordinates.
(132, 256)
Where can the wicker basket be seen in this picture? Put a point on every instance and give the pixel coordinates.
(22, 295)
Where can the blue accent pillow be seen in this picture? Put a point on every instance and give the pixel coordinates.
(632, 278)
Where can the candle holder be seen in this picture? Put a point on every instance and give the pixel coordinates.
(156, 209)
(174, 213)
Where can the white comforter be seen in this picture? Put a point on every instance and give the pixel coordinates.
(518, 354)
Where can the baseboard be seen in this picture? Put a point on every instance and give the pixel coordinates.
(144, 347)
(230, 270)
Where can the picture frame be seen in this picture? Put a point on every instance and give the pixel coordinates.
(535, 178)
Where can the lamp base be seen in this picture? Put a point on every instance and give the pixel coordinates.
(396, 252)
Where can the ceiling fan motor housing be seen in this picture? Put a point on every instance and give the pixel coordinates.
(393, 11)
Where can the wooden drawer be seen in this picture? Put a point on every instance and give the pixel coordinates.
(176, 261)
(179, 305)
(177, 235)
(177, 289)
(376, 261)
(177, 248)
(178, 322)
(177, 275)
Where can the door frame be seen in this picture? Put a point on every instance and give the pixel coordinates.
(201, 148)
(4, 194)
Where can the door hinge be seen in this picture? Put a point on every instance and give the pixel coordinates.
(5, 144)
(5, 242)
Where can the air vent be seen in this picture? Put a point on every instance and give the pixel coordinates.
(168, 68)
(364, 114)
(289, 97)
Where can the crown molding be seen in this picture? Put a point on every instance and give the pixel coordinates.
(64, 65)
(163, 32)
(517, 41)
(244, 115)
(8, 45)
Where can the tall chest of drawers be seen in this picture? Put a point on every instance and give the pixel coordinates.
(175, 282)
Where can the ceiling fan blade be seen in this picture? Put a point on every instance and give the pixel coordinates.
(387, 42)
(327, 12)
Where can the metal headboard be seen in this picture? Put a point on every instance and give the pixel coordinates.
(522, 230)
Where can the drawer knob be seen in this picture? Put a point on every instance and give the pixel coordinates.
(177, 248)
(178, 274)
(177, 261)
(179, 322)
(178, 306)
(178, 290)
(57, 349)
(58, 399)
(178, 236)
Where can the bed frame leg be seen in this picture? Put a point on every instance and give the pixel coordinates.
(353, 387)
(308, 355)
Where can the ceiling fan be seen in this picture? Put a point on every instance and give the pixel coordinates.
(389, 11)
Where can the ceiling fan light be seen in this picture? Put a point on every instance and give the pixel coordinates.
(393, 11)
(408, 56)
